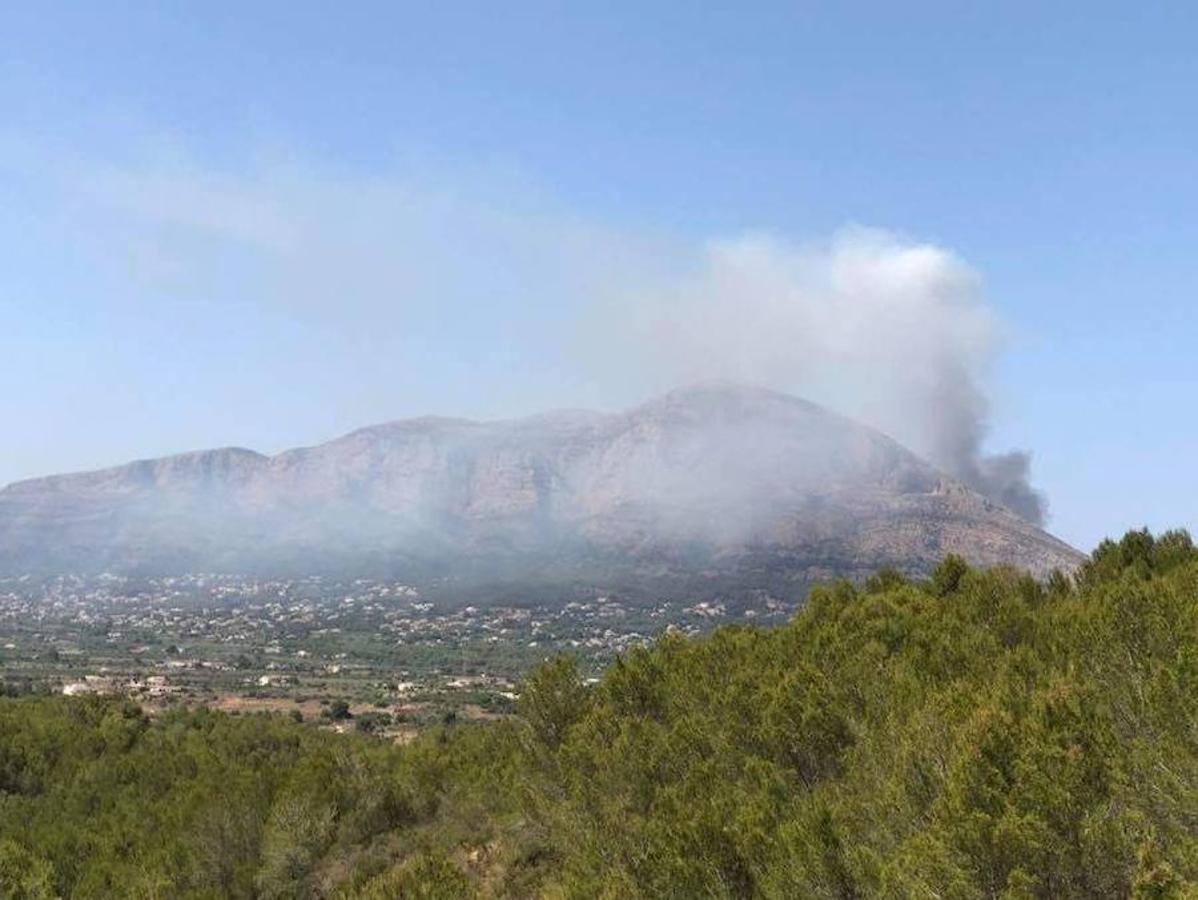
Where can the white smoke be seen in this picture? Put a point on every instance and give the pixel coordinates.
(889, 331)
(478, 297)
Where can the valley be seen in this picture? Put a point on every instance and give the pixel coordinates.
(242, 644)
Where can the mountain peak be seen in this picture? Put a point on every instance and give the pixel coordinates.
(724, 394)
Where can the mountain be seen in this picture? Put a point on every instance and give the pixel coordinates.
(706, 489)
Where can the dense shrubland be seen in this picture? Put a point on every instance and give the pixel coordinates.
(977, 734)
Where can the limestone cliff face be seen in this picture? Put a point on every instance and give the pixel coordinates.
(716, 485)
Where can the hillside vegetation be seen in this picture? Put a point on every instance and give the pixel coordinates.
(979, 734)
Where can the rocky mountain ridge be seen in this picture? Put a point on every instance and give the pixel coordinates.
(710, 486)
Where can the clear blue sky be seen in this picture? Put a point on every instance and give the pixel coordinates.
(153, 156)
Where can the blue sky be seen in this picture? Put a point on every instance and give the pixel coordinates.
(264, 224)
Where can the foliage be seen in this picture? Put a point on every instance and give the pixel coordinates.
(979, 734)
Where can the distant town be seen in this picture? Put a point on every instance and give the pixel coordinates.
(357, 653)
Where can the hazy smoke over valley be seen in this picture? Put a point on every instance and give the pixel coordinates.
(382, 296)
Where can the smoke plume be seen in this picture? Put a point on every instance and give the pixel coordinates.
(889, 331)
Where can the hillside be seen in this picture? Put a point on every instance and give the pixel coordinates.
(707, 488)
(975, 735)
